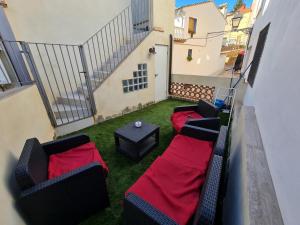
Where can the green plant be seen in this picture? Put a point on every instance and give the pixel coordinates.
(238, 5)
(189, 58)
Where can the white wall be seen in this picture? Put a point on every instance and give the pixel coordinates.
(207, 59)
(22, 116)
(56, 21)
(275, 97)
(109, 97)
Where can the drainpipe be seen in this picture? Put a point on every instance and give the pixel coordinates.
(170, 63)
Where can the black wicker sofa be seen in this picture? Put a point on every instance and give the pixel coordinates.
(146, 204)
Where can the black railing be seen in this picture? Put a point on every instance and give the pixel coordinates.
(107, 48)
(66, 75)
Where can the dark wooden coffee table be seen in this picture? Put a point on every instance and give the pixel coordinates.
(136, 142)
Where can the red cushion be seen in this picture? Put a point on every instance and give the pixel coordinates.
(189, 152)
(171, 188)
(179, 118)
(74, 158)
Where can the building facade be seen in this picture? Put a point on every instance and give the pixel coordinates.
(45, 70)
(198, 40)
(240, 37)
(271, 105)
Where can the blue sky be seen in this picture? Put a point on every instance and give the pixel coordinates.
(218, 2)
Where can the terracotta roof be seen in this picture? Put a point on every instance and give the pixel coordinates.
(244, 9)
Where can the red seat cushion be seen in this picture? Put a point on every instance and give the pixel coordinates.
(171, 188)
(189, 151)
(179, 118)
(74, 158)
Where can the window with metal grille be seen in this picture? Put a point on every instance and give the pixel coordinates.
(190, 52)
(257, 55)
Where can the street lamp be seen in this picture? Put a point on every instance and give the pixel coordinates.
(236, 20)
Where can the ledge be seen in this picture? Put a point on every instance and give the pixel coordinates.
(159, 29)
(13, 91)
(250, 196)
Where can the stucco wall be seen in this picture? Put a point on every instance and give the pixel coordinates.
(109, 97)
(56, 21)
(206, 47)
(275, 98)
(22, 116)
(250, 197)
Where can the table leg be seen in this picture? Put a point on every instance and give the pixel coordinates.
(117, 142)
(157, 137)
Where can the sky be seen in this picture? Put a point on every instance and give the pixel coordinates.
(231, 3)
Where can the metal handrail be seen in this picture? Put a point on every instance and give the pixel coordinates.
(67, 74)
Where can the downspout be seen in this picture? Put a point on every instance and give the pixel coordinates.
(170, 63)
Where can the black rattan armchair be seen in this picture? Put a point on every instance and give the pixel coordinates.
(64, 200)
(207, 111)
(204, 108)
(139, 212)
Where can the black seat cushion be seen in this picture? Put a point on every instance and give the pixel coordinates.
(32, 167)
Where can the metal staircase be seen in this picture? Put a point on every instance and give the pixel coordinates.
(72, 106)
(67, 75)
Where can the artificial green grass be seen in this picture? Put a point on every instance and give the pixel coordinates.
(123, 171)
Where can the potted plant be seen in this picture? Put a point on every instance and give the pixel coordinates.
(189, 58)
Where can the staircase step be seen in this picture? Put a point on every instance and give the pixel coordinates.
(67, 120)
(114, 60)
(69, 111)
(128, 47)
(123, 52)
(111, 66)
(137, 37)
(84, 90)
(98, 73)
(96, 81)
(78, 99)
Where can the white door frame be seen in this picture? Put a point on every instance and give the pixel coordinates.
(158, 99)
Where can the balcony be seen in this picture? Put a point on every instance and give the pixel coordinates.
(179, 34)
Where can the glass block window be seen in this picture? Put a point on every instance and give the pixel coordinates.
(139, 81)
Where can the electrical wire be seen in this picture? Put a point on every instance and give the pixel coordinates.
(219, 33)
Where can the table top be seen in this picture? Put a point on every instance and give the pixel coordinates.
(134, 134)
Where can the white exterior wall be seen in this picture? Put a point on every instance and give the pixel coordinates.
(109, 97)
(275, 97)
(22, 116)
(69, 21)
(56, 21)
(207, 58)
